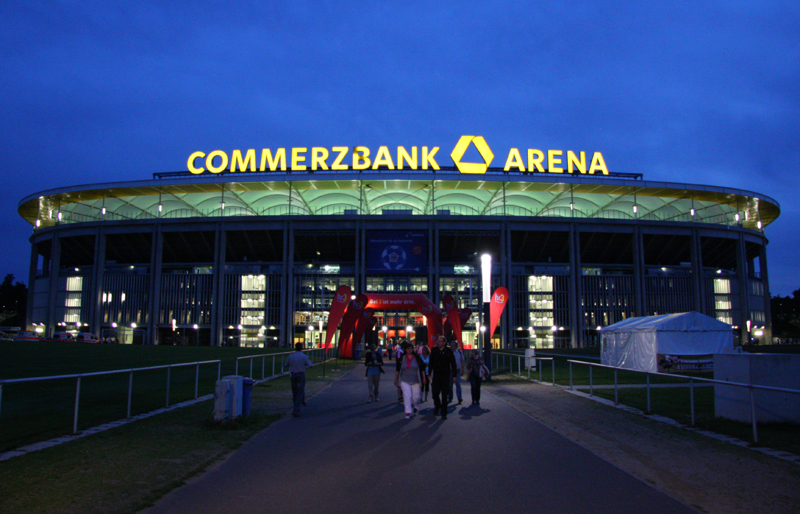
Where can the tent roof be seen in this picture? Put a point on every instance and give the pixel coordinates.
(677, 322)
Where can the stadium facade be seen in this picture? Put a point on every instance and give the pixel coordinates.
(249, 252)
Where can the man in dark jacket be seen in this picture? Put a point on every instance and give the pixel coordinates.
(443, 369)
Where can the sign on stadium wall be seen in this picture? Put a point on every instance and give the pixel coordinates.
(344, 158)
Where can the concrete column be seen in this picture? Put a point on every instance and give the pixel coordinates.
(575, 308)
(433, 286)
(154, 304)
(744, 287)
(96, 314)
(55, 269)
(218, 285)
(287, 285)
(282, 298)
(762, 261)
(34, 263)
(698, 284)
(639, 293)
(433, 259)
(361, 258)
(508, 331)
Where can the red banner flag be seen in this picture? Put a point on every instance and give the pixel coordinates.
(498, 303)
(451, 308)
(339, 304)
(463, 316)
(362, 324)
(372, 322)
(448, 328)
(349, 320)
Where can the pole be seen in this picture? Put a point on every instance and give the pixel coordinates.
(486, 283)
(487, 336)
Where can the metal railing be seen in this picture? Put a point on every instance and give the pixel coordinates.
(692, 380)
(130, 372)
(316, 355)
(520, 357)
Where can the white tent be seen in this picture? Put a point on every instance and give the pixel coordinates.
(671, 342)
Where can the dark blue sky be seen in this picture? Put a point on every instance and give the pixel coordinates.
(702, 92)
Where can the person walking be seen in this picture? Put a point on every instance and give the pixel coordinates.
(297, 364)
(398, 359)
(476, 370)
(443, 369)
(374, 363)
(426, 358)
(459, 356)
(410, 376)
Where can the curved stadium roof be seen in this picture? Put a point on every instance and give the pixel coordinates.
(404, 193)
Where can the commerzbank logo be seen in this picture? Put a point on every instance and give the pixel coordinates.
(358, 158)
(483, 149)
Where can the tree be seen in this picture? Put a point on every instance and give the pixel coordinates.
(13, 302)
(786, 315)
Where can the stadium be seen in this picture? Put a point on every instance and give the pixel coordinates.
(247, 252)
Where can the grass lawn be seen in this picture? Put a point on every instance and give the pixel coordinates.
(37, 411)
(126, 469)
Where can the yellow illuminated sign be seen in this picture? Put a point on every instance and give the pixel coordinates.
(361, 158)
(483, 149)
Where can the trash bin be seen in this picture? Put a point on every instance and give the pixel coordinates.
(247, 390)
(357, 354)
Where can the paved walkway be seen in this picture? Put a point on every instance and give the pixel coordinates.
(346, 455)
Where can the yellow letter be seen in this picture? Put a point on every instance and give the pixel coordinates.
(337, 163)
(535, 158)
(210, 161)
(428, 158)
(266, 156)
(552, 161)
(318, 157)
(572, 159)
(190, 163)
(410, 159)
(361, 158)
(297, 159)
(383, 158)
(249, 157)
(598, 163)
(514, 159)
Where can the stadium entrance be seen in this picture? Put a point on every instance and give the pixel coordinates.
(358, 317)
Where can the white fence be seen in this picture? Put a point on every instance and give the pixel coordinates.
(130, 372)
(508, 363)
(692, 381)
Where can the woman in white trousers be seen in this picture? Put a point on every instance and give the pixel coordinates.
(410, 377)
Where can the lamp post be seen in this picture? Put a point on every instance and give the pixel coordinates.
(486, 285)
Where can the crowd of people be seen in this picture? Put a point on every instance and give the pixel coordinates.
(420, 372)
